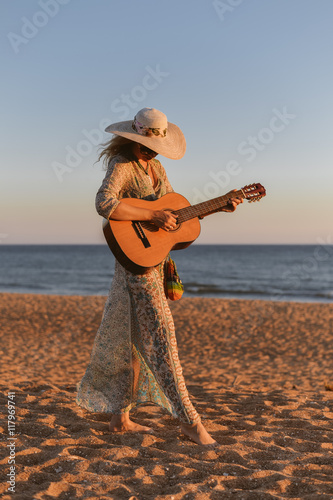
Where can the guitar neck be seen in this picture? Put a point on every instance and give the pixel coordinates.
(206, 207)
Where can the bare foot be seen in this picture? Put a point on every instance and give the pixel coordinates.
(129, 426)
(198, 434)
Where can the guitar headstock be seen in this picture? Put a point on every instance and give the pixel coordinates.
(253, 192)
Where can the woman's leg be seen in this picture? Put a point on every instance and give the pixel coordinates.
(198, 433)
(123, 423)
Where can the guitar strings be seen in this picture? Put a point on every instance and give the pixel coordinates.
(201, 209)
(250, 192)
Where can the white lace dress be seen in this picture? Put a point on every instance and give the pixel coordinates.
(134, 359)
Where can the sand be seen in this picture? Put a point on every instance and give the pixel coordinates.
(258, 372)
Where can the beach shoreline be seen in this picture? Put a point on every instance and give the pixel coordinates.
(257, 372)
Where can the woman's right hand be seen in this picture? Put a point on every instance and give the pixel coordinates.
(164, 219)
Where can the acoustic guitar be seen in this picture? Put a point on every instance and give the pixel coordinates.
(140, 245)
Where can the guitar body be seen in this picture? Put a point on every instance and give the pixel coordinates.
(139, 246)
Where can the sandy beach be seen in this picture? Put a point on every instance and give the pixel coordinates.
(259, 373)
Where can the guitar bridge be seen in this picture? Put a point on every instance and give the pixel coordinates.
(141, 234)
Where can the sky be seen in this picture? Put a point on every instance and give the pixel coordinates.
(249, 82)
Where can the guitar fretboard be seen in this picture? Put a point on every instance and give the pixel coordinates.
(206, 207)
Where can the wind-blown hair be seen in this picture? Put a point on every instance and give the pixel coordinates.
(117, 145)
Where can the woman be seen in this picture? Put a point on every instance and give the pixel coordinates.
(135, 358)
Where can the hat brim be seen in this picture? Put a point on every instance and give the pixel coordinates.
(172, 146)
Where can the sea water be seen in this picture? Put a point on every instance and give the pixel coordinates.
(270, 272)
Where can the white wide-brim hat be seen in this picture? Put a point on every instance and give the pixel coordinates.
(151, 128)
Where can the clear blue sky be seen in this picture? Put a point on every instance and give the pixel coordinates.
(249, 83)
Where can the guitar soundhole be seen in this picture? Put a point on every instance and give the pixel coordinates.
(153, 229)
(176, 229)
(178, 225)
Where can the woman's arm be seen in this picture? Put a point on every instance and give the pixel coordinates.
(161, 218)
(110, 206)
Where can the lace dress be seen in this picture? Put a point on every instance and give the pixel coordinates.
(134, 359)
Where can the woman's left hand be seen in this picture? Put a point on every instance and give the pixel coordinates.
(233, 203)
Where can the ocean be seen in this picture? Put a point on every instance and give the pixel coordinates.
(302, 273)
